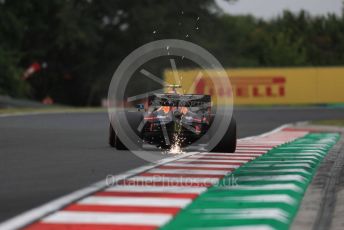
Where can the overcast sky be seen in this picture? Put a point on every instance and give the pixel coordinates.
(271, 8)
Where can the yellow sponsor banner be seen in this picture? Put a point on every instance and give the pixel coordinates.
(267, 86)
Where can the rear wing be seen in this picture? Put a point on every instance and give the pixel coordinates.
(185, 100)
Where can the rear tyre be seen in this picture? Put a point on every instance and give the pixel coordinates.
(134, 119)
(112, 135)
(228, 141)
(114, 140)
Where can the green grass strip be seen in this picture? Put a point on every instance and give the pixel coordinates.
(262, 194)
(339, 122)
(52, 109)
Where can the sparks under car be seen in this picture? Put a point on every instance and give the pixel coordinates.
(176, 118)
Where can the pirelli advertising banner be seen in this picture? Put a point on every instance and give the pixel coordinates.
(268, 86)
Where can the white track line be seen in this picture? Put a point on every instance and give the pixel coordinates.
(247, 213)
(215, 161)
(222, 157)
(296, 170)
(136, 201)
(164, 189)
(258, 165)
(189, 171)
(229, 154)
(275, 198)
(286, 186)
(290, 177)
(73, 217)
(242, 227)
(173, 180)
(250, 151)
(210, 166)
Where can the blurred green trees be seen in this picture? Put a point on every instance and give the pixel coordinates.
(83, 41)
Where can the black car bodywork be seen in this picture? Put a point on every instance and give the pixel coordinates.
(175, 118)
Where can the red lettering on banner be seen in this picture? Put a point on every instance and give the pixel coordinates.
(200, 87)
(246, 87)
(281, 91)
(256, 92)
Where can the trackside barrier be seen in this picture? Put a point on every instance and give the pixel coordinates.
(268, 86)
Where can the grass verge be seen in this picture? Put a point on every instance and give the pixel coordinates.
(339, 122)
(17, 111)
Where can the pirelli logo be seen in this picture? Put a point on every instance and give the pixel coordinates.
(247, 87)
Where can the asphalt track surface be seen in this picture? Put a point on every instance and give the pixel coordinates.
(47, 156)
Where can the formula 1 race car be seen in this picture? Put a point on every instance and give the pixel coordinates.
(176, 118)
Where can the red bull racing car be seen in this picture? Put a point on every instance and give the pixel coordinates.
(172, 118)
